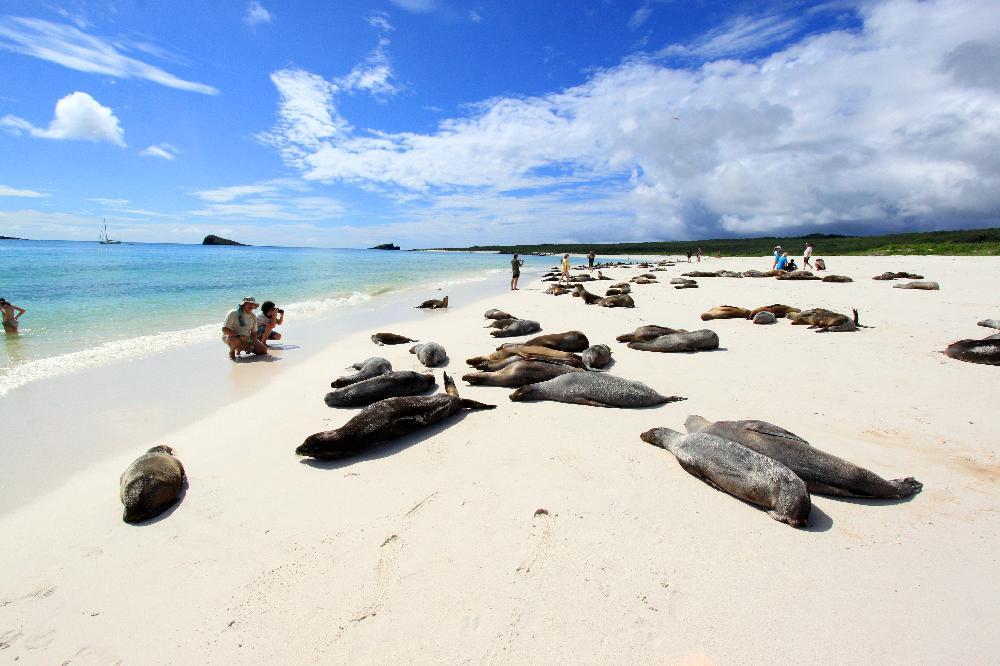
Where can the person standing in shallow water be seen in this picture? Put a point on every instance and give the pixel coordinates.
(10, 320)
(515, 267)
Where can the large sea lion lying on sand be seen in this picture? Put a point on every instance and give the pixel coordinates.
(570, 341)
(597, 389)
(825, 320)
(725, 312)
(498, 314)
(837, 278)
(985, 351)
(824, 473)
(739, 471)
(798, 275)
(389, 385)
(151, 484)
(679, 342)
(366, 369)
(617, 301)
(777, 309)
(520, 373)
(556, 290)
(926, 285)
(430, 354)
(496, 360)
(387, 420)
(889, 275)
(390, 339)
(435, 304)
(648, 332)
(519, 327)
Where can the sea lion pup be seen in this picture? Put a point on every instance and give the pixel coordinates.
(926, 285)
(387, 420)
(366, 369)
(519, 327)
(151, 484)
(498, 314)
(556, 290)
(500, 323)
(824, 473)
(389, 385)
(596, 357)
(777, 309)
(617, 301)
(602, 276)
(826, 320)
(837, 278)
(391, 339)
(764, 317)
(598, 389)
(739, 471)
(430, 354)
(587, 297)
(679, 342)
(985, 351)
(519, 373)
(989, 323)
(725, 312)
(570, 341)
(434, 304)
(648, 332)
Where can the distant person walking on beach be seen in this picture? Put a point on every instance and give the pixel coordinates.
(699, 255)
(564, 268)
(515, 268)
(590, 259)
(270, 316)
(777, 255)
(10, 322)
(689, 255)
(239, 332)
(807, 255)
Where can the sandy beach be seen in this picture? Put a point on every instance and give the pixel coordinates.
(432, 549)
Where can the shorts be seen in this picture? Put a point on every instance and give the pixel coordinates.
(260, 333)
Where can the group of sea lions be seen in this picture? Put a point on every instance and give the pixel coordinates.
(818, 319)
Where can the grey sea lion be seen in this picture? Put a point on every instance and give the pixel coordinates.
(739, 471)
(386, 420)
(648, 332)
(570, 341)
(430, 354)
(498, 314)
(989, 323)
(596, 357)
(598, 389)
(699, 274)
(520, 373)
(366, 369)
(764, 317)
(926, 285)
(151, 484)
(500, 323)
(728, 274)
(643, 280)
(679, 342)
(391, 339)
(612, 291)
(618, 301)
(587, 297)
(725, 312)
(434, 304)
(824, 473)
(688, 285)
(836, 278)
(389, 385)
(753, 274)
(519, 327)
(680, 280)
(777, 309)
(798, 275)
(985, 351)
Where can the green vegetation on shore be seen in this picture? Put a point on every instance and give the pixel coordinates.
(961, 242)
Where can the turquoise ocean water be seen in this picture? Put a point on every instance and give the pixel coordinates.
(89, 303)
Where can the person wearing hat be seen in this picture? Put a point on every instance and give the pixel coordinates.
(240, 330)
(10, 322)
(777, 255)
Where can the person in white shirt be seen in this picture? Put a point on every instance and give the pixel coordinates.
(807, 255)
(269, 317)
(239, 331)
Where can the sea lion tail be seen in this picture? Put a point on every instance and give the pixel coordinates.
(661, 437)
(449, 385)
(695, 423)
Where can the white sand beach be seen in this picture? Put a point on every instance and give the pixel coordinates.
(432, 549)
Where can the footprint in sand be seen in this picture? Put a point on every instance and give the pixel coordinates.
(39, 640)
(545, 540)
(40, 592)
(9, 637)
(379, 590)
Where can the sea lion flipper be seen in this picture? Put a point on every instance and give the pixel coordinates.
(472, 404)
(449, 385)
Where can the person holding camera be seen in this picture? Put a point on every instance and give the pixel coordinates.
(270, 317)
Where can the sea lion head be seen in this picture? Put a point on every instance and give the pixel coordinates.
(324, 445)
(528, 392)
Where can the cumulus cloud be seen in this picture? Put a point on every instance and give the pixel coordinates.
(70, 47)
(164, 151)
(7, 191)
(78, 116)
(876, 128)
(256, 14)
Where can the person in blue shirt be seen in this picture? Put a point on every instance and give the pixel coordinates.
(781, 262)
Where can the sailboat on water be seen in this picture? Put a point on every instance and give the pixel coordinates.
(104, 240)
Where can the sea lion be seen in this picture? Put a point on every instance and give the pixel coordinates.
(500, 323)
(550, 279)
(434, 304)
(430, 354)
(389, 385)
(820, 265)
(772, 273)
(725, 312)
(643, 280)
(386, 420)
(679, 342)
(699, 274)
(691, 285)
(764, 317)
(611, 291)
(985, 351)
(587, 297)
(618, 301)
(739, 471)
(523, 351)
(889, 275)
(598, 389)
(519, 373)
(366, 369)
(728, 274)
(926, 285)
(648, 332)
(824, 473)
(498, 314)
(556, 290)
(621, 285)
(753, 274)
(151, 484)
(570, 341)
(680, 280)
(390, 339)
(777, 309)
(826, 320)
(519, 327)
(836, 278)
(798, 275)
(989, 323)
(596, 357)
(602, 276)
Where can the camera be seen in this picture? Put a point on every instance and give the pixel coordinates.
(280, 311)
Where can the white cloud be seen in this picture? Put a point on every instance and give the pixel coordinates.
(274, 200)
(888, 125)
(162, 150)
(374, 75)
(738, 36)
(380, 21)
(78, 116)
(256, 14)
(417, 6)
(7, 191)
(75, 49)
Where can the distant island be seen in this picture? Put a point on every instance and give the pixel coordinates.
(982, 242)
(212, 239)
(11, 238)
(385, 246)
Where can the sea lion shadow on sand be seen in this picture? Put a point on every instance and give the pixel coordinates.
(819, 521)
(169, 510)
(390, 448)
(258, 358)
(283, 347)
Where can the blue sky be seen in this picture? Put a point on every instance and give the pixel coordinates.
(447, 122)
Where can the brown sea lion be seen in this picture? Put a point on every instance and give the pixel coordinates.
(434, 304)
(520, 373)
(753, 274)
(739, 471)
(820, 265)
(699, 274)
(680, 280)
(826, 320)
(597, 389)
(611, 291)
(889, 275)
(648, 332)
(728, 274)
(618, 301)
(798, 275)
(587, 297)
(824, 474)
(643, 280)
(498, 314)
(689, 285)
(602, 276)
(151, 484)
(985, 351)
(725, 312)
(524, 351)
(679, 342)
(570, 341)
(778, 310)
(500, 323)
(556, 290)
(390, 339)
(386, 420)
(837, 278)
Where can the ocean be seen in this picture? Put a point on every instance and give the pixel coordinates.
(88, 304)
